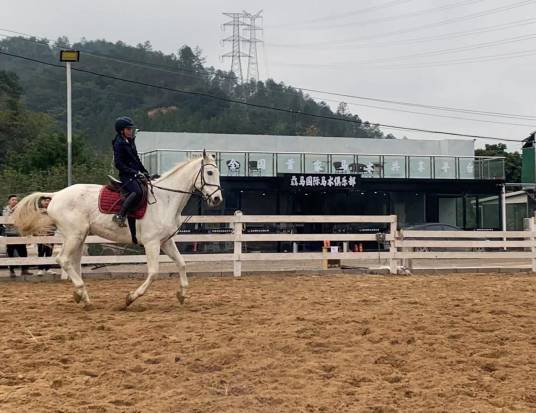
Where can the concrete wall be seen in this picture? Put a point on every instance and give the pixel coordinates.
(148, 141)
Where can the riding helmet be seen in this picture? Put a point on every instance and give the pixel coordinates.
(122, 123)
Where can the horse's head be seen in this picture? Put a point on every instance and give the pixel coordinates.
(208, 180)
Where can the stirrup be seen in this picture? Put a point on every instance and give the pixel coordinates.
(119, 220)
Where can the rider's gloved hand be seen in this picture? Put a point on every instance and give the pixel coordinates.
(140, 175)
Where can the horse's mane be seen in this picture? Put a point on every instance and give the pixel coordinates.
(176, 168)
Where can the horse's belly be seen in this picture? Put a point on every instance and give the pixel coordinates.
(111, 232)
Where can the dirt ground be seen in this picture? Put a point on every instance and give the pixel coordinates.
(274, 343)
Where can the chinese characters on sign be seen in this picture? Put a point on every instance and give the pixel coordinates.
(233, 165)
(368, 170)
(323, 181)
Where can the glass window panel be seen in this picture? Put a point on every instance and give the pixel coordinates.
(445, 167)
(261, 164)
(233, 164)
(150, 162)
(490, 212)
(369, 166)
(467, 168)
(420, 167)
(447, 210)
(195, 154)
(316, 164)
(289, 163)
(168, 159)
(470, 212)
(495, 169)
(394, 167)
(343, 164)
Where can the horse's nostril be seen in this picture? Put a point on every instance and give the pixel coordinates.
(217, 199)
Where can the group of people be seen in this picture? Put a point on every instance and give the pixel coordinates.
(43, 250)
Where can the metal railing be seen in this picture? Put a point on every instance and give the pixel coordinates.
(255, 164)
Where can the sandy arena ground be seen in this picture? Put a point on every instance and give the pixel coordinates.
(274, 343)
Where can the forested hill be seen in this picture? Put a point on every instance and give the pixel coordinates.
(97, 101)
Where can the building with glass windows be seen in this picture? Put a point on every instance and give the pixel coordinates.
(419, 180)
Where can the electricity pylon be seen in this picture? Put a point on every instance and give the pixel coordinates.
(253, 28)
(236, 54)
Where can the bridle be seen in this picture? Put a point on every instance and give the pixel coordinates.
(197, 191)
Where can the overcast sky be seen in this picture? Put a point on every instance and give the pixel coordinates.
(465, 54)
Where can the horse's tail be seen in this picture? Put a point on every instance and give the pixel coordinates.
(28, 217)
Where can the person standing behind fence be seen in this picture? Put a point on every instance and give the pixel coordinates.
(11, 231)
(45, 250)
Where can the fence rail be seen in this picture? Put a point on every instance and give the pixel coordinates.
(400, 248)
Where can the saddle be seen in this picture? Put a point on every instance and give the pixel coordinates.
(111, 198)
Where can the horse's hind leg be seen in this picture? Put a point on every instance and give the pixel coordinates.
(69, 259)
(172, 252)
(152, 251)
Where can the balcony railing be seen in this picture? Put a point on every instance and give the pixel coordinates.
(263, 164)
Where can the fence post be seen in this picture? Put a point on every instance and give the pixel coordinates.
(406, 262)
(237, 231)
(532, 245)
(392, 245)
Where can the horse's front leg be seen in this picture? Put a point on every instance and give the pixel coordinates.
(172, 252)
(152, 250)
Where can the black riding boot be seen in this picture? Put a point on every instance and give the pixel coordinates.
(128, 204)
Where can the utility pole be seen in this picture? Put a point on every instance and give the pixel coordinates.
(252, 28)
(236, 54)
(69, 56)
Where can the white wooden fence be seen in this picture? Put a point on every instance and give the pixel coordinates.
(402, 246)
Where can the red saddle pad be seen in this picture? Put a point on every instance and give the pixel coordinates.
(110, 203)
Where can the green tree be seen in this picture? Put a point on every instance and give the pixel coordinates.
(512, 161)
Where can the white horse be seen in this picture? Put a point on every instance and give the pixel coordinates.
(74, 211)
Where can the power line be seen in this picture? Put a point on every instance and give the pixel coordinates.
(344, 15)
(404, 15)
(403, 103)
(427, 114)
(478, 59)
(453, 35)
(381, 61)
(258, 106)
(195, 74)
(446, 51)
(416, 28)
(404, 42)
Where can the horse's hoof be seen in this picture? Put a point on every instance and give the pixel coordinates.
(89, 307)
(77, 297)
(181, 297)
(128, 300)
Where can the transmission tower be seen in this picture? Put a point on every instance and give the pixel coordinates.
(252, 28)
(235, 54)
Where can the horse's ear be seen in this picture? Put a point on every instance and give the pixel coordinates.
(204, 154)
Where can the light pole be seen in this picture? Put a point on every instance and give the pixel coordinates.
(69, 56)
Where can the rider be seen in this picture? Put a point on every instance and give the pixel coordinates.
(131, 170)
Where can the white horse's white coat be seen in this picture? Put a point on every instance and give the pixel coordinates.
(75, 212)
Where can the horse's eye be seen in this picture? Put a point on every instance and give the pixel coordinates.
(209, 173)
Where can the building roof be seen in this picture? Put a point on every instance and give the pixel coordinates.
(150, 141)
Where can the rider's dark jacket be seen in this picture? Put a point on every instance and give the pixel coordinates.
(126, 158)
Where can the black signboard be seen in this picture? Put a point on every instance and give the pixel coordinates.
(321, 181)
